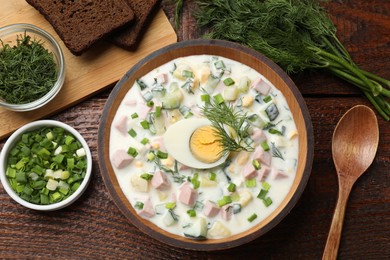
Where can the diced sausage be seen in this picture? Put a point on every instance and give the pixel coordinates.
(261, 86)
(143, 110)
(186, 194)
(120, 159)
(162, 78)
(263, 172)
(148, 210)
(258, 136)
(262, 156)
(278, 174)
(160, 180)
(249, 171)
(210, 209)
(227, 212)
(121, 124)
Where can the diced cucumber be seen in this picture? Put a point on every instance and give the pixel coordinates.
(230, 93)
(169, 218)
(198, 230)
(173, 97)
(243, 84)
(211, 84)
(272, 111)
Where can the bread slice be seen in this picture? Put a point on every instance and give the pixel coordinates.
(81, 23)
(129, 37)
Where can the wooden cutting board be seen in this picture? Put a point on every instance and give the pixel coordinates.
(95, 70)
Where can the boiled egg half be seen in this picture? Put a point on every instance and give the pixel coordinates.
(193, 142)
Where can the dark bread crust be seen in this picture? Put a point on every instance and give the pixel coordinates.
(81, 23)
(129, 37)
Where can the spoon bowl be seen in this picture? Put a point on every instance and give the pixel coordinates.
(354, 145)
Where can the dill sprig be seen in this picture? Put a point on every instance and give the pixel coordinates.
(27, 70)
(296, 34)
(232, 126)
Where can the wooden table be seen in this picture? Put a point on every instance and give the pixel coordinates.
(93, 227)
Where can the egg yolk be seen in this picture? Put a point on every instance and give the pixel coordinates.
(204, 145)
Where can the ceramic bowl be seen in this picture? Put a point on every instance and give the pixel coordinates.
(238, 53)
(9, 35)
(16, 137)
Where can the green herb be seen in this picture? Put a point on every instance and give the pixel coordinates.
(139, 205)
(132, 132)
(41, 170)
(132, 151)
(178, 11)
(235, 121)
(296, 34)
(275, 151)
(28, 70)
(191, 213)
(228, 81)
(170, 205)
(252, 217)
(147, 176)
(231, 187)
(225, 200)
(212, 176)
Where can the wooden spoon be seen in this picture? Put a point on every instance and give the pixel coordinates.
(354, 145)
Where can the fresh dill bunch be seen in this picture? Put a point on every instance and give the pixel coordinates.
(231, 126)
(296, 34)
(178, 11)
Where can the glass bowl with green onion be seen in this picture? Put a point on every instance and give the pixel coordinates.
(32, 67)
(45, 165)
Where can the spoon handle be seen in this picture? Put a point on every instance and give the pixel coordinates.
(333, 241)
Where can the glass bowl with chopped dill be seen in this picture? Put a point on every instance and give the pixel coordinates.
(32, 67)
(45, 165)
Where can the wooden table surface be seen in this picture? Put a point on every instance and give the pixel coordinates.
(93, 227)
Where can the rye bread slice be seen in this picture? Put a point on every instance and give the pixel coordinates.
(129, 37)
(81, 23)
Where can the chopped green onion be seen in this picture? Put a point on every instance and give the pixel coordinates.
(195, 181)
(139, 205)
(145, 141)
(146, 176)
(265, 146)
(262, 194)
(150, 103)
(132, 151)
(170, 205)
(251, 183)
(219, 64)
(187, 74)
(266, 185)
(228, 81)
(162, 155)
(256, 164)
(225, 200)
(134, 115)
(231, 187)
(212, 176)
(191, 213)
(205, 98)
(132, 132)
(274, 131)
(218, 99)
(267, 201)
(267, 99)
(253, 217)
(145, 124)
(157, 112)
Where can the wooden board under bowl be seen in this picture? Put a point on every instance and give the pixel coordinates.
(87, 74)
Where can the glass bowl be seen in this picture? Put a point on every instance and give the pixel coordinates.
(8, 35)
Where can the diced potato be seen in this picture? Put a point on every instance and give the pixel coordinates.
(178, 72)
(243, 157)
(162, 195)
(247, 101)
(203, 74)
(205, 182)
(198, 229)
(245, 197)
(218, 230)
(168, 162)
(168, 219)
(230, 93)
(138, 183)
(292, 134)
(243, 84)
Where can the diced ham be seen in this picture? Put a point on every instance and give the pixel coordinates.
(121, 158)
(262, 156)
(210, 209)
(263, 172)
(160, 180)
(131, 102)
(148, 210)
(249, 171)
(227, 212)
(143, 109)
(278, 174)
(162, 78)
(158, 143)
(186, 194)
(121, 124)
(261, 86)
(258, 136)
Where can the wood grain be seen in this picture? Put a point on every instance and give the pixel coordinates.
(87, 74)
(94, 228)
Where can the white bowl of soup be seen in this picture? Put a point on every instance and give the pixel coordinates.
(205, 145)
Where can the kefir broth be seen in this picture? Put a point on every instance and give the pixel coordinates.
(163, 204)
